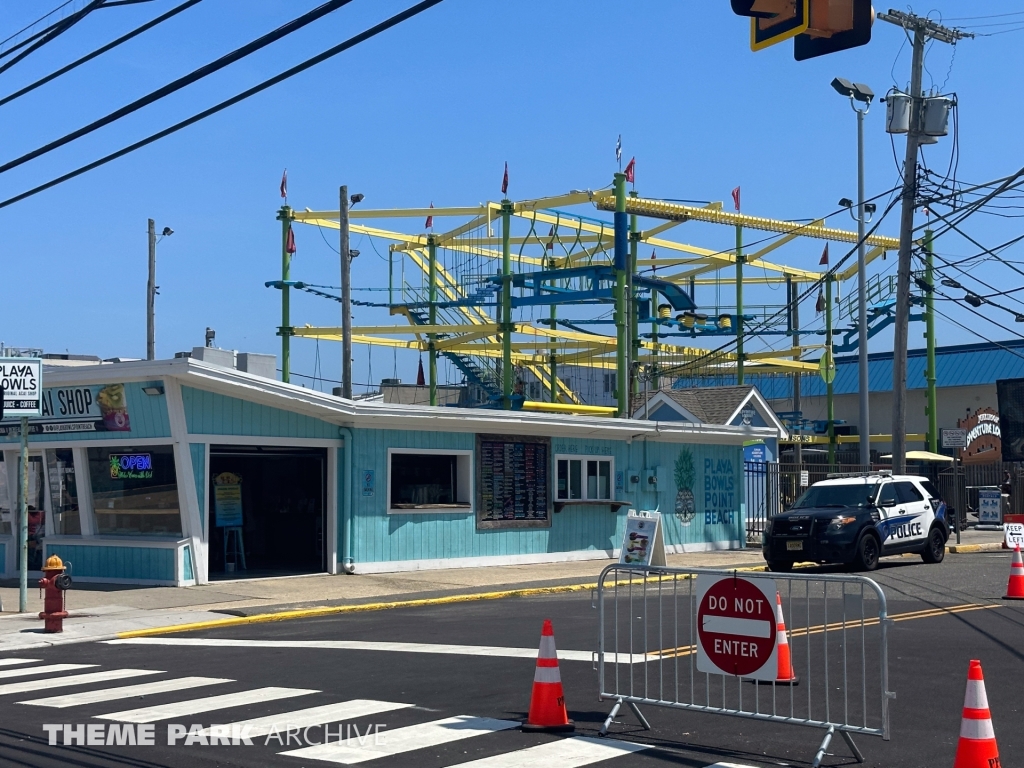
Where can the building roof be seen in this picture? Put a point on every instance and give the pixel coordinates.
(717, 405)
(962, 365)
(378, 415)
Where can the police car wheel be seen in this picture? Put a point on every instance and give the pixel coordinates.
(780, 566)
(935, 547)
(867, 553)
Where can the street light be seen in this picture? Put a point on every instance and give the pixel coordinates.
(858, 93)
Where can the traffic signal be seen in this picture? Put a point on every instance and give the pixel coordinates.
(773, 21)
(818, 27)
(835, 25)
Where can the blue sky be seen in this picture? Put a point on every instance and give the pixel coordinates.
(427, 112)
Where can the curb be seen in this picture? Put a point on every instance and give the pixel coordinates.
(962, 549)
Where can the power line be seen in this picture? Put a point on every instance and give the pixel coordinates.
(208, 69)
(41, 18)
(45, 36)
(307, 64)
(99, 51)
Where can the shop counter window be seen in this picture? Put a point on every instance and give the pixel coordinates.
(135, 492)
(421, 481)
(6, 497)
(584, 478)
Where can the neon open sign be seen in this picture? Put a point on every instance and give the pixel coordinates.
(131, 466)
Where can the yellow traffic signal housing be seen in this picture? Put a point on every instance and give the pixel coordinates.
(834, 25)
(773, 21)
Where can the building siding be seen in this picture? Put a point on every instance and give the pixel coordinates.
(380, 537)
(198, 451)
(209, 413)
(129, 563)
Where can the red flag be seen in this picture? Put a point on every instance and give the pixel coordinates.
(631, 170)
(653, 257)
(736, 199)
(430, 219)
(284, 184)
(420, 380)
(290, 246)
(504, 180)
(823, 262)
(551, 239)
(819, 305)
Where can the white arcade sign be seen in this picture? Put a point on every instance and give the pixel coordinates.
(21, 380)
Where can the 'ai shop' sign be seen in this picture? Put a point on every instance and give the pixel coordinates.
(101, 408)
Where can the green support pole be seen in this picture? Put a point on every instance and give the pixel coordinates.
(432, 316)
(506, 304)
(621, 326)
(739, 304)
(285, 217)
(929, 324)
(553, 358)
(830, 400)
(631, 303)
(391, 275)
(655, 383)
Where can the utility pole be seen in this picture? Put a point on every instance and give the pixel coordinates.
(346, 295)
(923, 31)
(151, 296)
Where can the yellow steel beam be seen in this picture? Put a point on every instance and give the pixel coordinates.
(788, 352)
(870, 256)
(374, 330)
(589, 410)
(660, 209)
(392, 213)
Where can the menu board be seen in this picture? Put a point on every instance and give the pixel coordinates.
(512, 483)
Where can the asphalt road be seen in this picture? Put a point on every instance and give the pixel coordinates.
(365, 684)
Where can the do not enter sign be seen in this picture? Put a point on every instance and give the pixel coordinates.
(736, 628)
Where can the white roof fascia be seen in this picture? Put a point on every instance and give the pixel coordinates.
(765, 410)
(374, 415)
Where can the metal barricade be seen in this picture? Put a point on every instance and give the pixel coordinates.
(837, 627)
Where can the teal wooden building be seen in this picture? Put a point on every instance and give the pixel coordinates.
(177, 472)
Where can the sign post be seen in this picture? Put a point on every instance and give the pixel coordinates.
(955, 438)
(21, 382)
(736, 626)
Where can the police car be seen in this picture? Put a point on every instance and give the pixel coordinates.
(856, 519)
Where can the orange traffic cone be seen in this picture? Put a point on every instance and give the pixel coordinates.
(1015, 587)
(547, 703)
(786, 675)
(977, 747)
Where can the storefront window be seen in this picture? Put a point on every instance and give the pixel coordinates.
(6, 499)
(60, 471)
(135, 492)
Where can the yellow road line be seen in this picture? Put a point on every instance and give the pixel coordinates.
(686, 650)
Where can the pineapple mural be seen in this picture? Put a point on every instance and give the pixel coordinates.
(685, 477)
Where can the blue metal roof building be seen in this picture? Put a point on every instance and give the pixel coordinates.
(962, 365)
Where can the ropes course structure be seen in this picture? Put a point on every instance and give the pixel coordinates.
(531, 292)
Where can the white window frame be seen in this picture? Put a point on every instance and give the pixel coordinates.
(583, 458)
(466, 480)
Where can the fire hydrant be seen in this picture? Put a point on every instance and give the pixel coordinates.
(55, 582)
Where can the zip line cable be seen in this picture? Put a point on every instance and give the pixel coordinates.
(288, 73)
(99, 51)
(41, 18)
(198, 74)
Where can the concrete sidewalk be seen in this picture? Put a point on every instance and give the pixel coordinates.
(101, 611)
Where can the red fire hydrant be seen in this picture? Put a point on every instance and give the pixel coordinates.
(55, 582)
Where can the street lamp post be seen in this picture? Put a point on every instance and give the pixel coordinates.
(152, 289)
(858, 92)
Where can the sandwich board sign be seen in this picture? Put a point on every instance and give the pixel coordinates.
(643, 543)
(989, 506)
(736, 629)
(21, 381)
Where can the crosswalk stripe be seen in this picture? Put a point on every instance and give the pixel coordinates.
(565, 753)
(730, 765)
(206, 704)
(12, 662)
(351, 751)
(43, 670)
(124, 692)
(491, 651)
(46, 684)
(301, 718)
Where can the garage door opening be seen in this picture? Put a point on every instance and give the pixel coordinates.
(267, 511)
